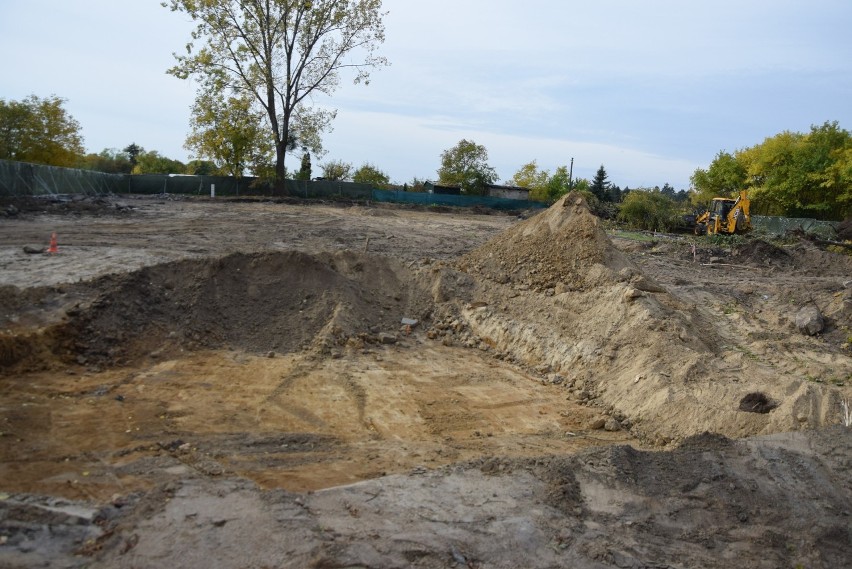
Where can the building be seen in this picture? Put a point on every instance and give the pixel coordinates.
(433, 188)
(507, 192)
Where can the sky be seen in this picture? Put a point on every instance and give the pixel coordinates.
(650, 89)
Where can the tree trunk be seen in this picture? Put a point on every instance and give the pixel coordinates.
(280, 170)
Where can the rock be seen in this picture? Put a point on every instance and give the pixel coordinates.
(612, 425)
(809, 320)
(30, 250)
(645, 284)
(632, 294)
(598, 423)
(388, 339)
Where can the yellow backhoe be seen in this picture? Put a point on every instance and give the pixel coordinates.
(726, 215)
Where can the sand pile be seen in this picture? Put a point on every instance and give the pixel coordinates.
(564, 245)
(553, 293)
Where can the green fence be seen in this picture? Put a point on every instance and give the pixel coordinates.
(782, 225)
(23, 179)
(451, 200)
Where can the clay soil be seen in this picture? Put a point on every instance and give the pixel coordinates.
(250, 383)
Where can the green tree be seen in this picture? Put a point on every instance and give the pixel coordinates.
(305, 168)
(792, 174)
(153, 162)
(726, 176)
(559, 183)
(40, 131)
(337, 171)
(281, 53)
(649, 209)
(201, 168)
(133, 151)
(108, 160)
(466, 165)
(369, 174)
(536, 181)
(796, 174)
(600, 185)
(228, 132)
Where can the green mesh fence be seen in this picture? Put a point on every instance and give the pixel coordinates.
(424, 198)
(193, 185)
(778, 226)
(23, 179)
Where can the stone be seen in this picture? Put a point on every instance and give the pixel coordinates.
(809, 320)
(612, 425)
(598, 423)
(388, 339)
(632, 294)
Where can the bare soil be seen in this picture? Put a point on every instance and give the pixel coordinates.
(215, 383)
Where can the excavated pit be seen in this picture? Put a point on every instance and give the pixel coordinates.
(226, 399)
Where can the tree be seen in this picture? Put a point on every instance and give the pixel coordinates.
(108, 160)
(40, 131)
(201, 168)
(533, 179)
(337, 171)
(792, 174)
(229, 132)
(154, 163)
(559, 183)
(305, 168)
(369, 174)
(649, 209)
(281, 53)
(543, 187)
(466, 165)
(133, 151)
(600, 185)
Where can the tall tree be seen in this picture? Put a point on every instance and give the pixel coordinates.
(600, 185)
(40, 131)
(133, 151)
(466, 165)
(305, 168)
(281, 52)
(230, 133)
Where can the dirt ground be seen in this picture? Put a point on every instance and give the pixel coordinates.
(378, 386)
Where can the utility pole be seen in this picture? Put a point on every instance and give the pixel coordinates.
(571, 176)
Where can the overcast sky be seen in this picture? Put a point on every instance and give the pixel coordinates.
(651, 89)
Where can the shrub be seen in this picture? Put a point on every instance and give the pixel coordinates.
(649, 209)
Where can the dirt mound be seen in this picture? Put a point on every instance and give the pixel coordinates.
(761, 253)
(565, 244)
(277, 302)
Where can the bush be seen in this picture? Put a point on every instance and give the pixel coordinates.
(649, 209)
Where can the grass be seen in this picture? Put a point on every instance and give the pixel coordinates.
(634, 236)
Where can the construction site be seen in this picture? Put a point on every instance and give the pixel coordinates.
(281, 383)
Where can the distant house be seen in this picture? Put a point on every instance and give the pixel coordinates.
(433, 188)
(508, 192)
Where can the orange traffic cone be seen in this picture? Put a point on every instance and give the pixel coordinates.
(53, 247)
